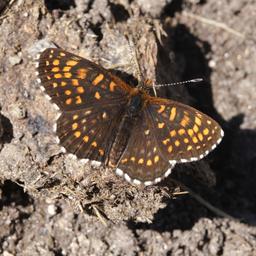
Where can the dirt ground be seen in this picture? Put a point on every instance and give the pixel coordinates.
(51, 204)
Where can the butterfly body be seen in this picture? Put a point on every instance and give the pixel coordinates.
(105, 120)
(130, 116)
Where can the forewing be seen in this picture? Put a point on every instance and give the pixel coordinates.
(184, 134)
(91, 101)
(75, 83)
(142, 160)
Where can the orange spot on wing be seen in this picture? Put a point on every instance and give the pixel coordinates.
(198, 121)
(68, 92)
(161, 109)
(58, 75)
(66, 69)
(146, 132)
(112, 86)
(97, 95)
(156, 159)
(206, 131)
(68, 101)
(190, 132)
(200, 136)
(195, 128)
(141, 161)
(125, 160)
(170, 149)
(74, 126)
(185, 121)
(165, 142)
(177, 143)
(80, 89)
(67, 75)
(77, 134)
(160, 125)
(75, 117)
(71, 63)
(56, 62)
(81, 73)
(173, 133)
(181, 131)
(101, 151)
(55, 69)
(149, 162)
(133, 158)
(85, 139)
(94, 144)
(78, 100)
(189, 148)
(172, 114)
(75, 82)
(186, 140)
(98, 79)
(194, 139)
(63, 83)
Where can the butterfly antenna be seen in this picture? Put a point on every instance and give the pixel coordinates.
(196, 80)
(134, 59)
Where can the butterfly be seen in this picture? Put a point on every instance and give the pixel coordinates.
(105, 120)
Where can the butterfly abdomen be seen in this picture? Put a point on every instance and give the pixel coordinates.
(130, 117)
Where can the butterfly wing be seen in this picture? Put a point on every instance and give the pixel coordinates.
(88, 133)
(166, 133)
(184, 134)
(142, 160)
(90, 98)
(75, 83)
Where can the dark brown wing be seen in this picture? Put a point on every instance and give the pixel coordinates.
(167, 133)
(88, 133)
(184, 134)
(142, 160)
(75, 83)
(91, 101)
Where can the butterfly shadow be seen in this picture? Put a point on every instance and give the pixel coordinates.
(233, 162)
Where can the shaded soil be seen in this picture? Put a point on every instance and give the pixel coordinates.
(52, 204)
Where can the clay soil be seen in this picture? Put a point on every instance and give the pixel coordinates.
(52, 204)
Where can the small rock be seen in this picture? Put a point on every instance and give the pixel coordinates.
(39, 46)
(212, 63)
(18, 111)
(51, 209)
(15, 60)
(153, 7)
(5, 253)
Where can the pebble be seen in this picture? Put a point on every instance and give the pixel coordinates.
(15, 60)
(51, 209)
(18, 111)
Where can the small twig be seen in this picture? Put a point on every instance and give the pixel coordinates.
(99, 215)
(180, 193)
(214, 23)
